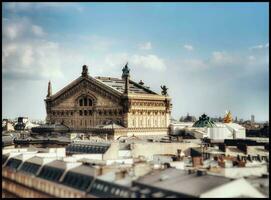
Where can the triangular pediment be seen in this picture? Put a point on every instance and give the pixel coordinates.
(84, 84)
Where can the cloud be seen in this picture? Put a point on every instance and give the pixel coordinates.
(193, 64)
(117, 60)
(37, 30)
(145, 46)
(188, 47)
(220, 58)
(150, 61)
(231, 62)
(251, 58)
(26, 53)
(260, 46)
(98, 42)
(27, 6)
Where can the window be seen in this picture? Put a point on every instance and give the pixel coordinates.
(80, 112)
(51, 173)
(85, 101)
(81, 102)
(85, 112)
(30, 168)
(89, 102)
(89, 112)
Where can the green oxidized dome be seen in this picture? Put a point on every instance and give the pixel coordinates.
(204, 121)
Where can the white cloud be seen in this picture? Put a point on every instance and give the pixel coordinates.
(260, 46)
(98, 43)
(37, 30)
(146, 46)
(115, 62)
(26, 6)
(227, 61)
(251, 58)
(221, 58)
(150, 61)
(193, 64)
(26, 54)
(188, 47)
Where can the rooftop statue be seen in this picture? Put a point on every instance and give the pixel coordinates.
(125, 70)
(85, 70)
(141, 82)
(228, 117)
(164, 90)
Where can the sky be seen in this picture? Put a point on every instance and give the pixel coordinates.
(213, 57)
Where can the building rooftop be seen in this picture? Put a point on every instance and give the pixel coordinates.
(192, 184)
(119, 84)
(91, 148)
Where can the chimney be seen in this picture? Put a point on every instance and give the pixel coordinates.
(49, 92)
(126, 76)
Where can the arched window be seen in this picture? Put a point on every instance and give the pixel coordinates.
(80, 112)
(85, 112)
(85, 101)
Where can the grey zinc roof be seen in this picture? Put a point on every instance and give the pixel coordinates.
(181, 182)
(98, 148)
(85, 170)
(118, 84)
(115, 84)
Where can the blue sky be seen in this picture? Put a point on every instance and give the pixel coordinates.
(212, 56)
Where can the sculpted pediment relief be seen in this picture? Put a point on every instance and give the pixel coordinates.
(88, 87)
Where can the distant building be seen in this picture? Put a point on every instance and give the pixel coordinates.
(252, 119)
(22, 119)
(205, 127)
(188, 118)
(24, 124)
(7, 125)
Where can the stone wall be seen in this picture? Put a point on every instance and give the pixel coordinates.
(147, 149)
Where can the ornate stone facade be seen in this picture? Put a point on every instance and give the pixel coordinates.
(88, 102)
